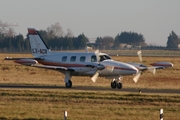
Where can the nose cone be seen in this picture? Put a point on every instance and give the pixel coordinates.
(132, 69)
(128, 69)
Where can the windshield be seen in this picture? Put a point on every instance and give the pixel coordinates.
(104, 57)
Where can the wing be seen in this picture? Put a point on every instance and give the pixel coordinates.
(34, 63)
(159, 67)
(53, 67)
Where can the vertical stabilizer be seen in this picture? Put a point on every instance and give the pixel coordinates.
(38, 46)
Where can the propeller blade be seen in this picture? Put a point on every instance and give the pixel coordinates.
(136, 78)
(97, 55)
(139, 53)
(95, 76)
(152, 69)
(97, 51)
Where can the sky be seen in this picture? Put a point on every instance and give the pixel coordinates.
(154, 19)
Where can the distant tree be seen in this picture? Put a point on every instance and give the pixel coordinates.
(2, 28)
(55, 30)
(69, 33)
(6, 30)
(131, 38)
(105, 42)
(10, 32)
(80, 41)
(16, 43)
(173, 41)
(68, 42)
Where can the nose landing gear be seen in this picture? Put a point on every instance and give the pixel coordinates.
(116, 83)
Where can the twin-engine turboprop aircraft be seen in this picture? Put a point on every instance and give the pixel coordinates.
(78, 63)
(75, 63)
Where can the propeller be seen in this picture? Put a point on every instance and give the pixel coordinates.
(100, 67)
(142, 68)
(151, 69)
(139, 53)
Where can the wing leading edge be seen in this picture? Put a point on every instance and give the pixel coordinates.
(34, 63)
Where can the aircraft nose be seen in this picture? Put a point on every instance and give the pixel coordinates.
(132, 69)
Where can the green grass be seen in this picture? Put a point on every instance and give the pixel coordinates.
(51, 104)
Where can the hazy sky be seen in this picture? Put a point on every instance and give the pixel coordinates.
(155, 19)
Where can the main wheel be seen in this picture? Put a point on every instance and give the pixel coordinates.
(119, 85)
(69, 84)
(113, 84)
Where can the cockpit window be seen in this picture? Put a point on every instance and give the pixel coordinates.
(93, 58)
(104, 57)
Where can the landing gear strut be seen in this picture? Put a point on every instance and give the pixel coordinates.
(116, 83)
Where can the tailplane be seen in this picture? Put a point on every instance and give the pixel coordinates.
(38, 46)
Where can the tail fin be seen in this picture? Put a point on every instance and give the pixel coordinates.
(38, 46)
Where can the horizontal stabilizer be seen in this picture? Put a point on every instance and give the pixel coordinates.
(24, 61)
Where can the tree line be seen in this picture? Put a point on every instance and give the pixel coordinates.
(57, 39)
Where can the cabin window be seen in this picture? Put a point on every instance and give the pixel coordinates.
(93, 58)
(73, 59)
(64, 58)
(82, 59)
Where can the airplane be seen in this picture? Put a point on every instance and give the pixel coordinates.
(93, 64)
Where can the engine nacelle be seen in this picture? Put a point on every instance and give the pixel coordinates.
(163, 64)
(26, 62)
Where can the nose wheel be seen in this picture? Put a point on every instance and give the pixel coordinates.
(116, 83)
(113, 84)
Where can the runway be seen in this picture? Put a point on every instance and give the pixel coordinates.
(91, 88)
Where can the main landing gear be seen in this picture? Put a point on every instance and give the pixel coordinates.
(68, 84)
(116, 83)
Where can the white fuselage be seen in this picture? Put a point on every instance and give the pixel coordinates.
(79, 61)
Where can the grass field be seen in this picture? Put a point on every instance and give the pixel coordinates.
(89, 105)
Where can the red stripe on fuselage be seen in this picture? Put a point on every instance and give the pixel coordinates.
(73, 65)
(60, 64)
